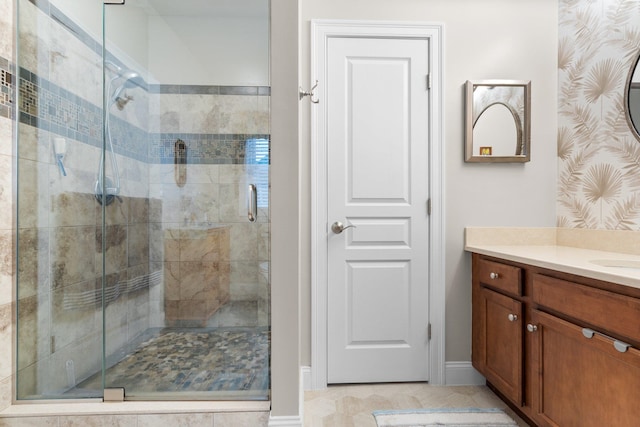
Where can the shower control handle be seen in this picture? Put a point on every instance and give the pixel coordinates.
(252, 201)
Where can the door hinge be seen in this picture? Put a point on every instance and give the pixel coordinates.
(429, 332)
(428, 81)
(428, 206)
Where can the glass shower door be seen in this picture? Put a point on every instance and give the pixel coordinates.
(138, 265)
(188, 117)
(59, 226)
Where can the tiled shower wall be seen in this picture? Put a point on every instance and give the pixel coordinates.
(598, 156)
(60, 220)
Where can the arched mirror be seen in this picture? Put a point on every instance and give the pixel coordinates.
(632, 101)
(497, 121)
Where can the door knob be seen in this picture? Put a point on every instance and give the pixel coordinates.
(338, 227)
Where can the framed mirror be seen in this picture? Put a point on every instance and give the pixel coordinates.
(498, 121)
(632, 98)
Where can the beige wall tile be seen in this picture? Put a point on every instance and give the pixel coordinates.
(33, 194)
(6, 193)
(29, 422)
(6, 266)
(5, 391)
(176, 420)
(6, 125)
(6, 29)
(234, 419)
(6, 353)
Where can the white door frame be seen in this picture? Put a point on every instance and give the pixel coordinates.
(321, 31)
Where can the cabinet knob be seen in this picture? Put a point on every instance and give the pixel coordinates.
(512, 317)
(531, 328)
(494, 275)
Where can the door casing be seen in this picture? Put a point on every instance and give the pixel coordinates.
(321, 31)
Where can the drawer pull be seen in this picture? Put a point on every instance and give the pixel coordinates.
(588, 333)
(494, 275)
(512, 317)
(622, 347)
(531, 328)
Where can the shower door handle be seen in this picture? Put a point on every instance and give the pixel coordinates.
(252, 202)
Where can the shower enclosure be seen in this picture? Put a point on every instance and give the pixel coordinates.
(143, 199)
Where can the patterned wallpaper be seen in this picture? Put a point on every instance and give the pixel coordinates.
(598, 155)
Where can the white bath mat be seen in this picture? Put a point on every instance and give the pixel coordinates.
(450, 417)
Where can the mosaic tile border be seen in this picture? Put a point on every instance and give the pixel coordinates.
(47, 106)
(202, 148)
(52, 108)
(210, 90)
(7, 88)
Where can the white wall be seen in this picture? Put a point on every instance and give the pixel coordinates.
(489, 39)
(209, 51)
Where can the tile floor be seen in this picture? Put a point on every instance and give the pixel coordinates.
(351, 405)
(226, 362)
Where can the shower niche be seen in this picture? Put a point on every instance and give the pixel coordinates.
(129, 245)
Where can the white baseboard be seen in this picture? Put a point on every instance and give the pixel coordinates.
(305, 373)
(285, 421)
(462, 373)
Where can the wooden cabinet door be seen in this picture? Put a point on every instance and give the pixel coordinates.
(497, 343)
(582, 382)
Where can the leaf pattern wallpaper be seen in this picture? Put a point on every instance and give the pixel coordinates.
(598, 154)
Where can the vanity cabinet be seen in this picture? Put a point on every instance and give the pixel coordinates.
(562, 349)
(497, 327)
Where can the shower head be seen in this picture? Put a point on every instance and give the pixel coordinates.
(126, 76)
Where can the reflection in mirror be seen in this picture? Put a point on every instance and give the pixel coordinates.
(486, 141)
(633, 99)
(497, 121)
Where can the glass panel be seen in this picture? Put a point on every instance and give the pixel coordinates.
(189, 314)
(59, 274)
(137, 262)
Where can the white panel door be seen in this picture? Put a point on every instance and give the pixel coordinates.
(377, 159)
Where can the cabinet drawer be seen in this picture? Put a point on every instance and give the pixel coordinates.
(616, 314)
(500, 276)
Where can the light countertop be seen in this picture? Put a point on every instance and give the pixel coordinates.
(558, 249)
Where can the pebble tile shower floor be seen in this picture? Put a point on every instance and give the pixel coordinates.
(194, 360)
